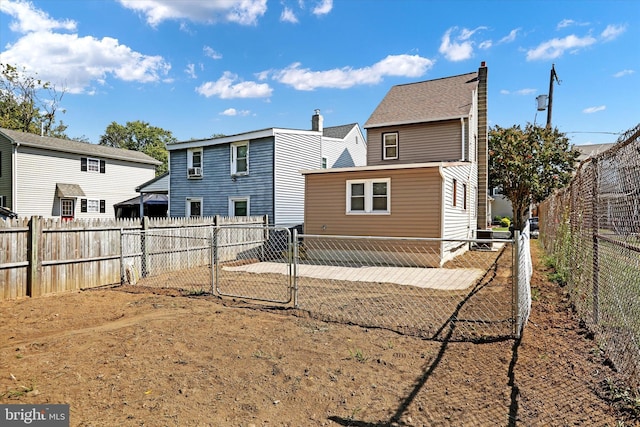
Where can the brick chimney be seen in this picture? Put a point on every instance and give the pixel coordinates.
(483, 149)
(316, 121)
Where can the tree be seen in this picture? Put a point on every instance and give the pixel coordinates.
(29, 104)
(526, 165)
(140, 136)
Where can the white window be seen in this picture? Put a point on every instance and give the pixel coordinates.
(238, 206)
(194, 207)
(370, 196)
(93, 165)
(240, 158)
(389, 146)
(93, 206)
(194, 163)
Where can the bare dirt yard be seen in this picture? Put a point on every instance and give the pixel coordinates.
(134, 356)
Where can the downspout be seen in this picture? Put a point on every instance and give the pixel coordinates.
(443, 204)
(14, 179)
(462, 145)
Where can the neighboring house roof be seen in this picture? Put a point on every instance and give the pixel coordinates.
(427, 101)
(158, 185)
(6, 213)
(339, 132)
(76, 147)
(591, 150)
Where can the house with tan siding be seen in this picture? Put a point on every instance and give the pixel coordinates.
(59, 178)
(426, 173)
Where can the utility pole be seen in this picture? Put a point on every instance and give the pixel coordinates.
(551, 78)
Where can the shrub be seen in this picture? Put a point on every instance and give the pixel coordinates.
(505, 222)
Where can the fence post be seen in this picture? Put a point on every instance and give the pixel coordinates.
(295, 267)
(144, 247)
(516, 283)
(595, 230)
(34, 257)
(214, 258)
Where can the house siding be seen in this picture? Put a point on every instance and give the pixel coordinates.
(5, 170)
(293, 153)
(415, 204)
(352, 151)
(39, 170)
(419, 143)
(458, 221)
(216, 185)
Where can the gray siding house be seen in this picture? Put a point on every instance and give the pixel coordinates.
(257, 172)
(59, 178)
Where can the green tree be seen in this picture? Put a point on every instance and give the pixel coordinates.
(528, 164)
(140, 136)
(29, 104)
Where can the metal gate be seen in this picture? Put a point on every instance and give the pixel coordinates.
(241, 253)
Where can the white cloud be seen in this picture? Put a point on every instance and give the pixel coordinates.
(75, 62)
(592, 110)
(191, 71)
(323, 7)
(346, 77)
(70, 61)
(288, 16)
(554, 48)
(623, 73)
(29, 19)
(612, 32)
(211, 53)
(569, 23)
(504, 92)
(510, 37)
(460, 48)
(233, 112)
(485, 44)
(226, 88)
(244, 12)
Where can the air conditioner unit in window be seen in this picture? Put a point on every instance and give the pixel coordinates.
(194, 172)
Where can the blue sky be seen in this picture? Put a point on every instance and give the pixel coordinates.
(199, 68)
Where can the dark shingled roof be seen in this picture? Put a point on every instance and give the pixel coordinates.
(427, 101)
(76, 147)
(339, 132)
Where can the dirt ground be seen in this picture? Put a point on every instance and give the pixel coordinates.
(142, 357)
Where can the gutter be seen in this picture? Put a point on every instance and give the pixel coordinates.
(14, 179)
(442, 209)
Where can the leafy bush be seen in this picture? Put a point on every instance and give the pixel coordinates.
(505, 222)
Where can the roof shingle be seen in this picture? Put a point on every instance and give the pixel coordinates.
(431, 100)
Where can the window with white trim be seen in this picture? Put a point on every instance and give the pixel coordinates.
(88, 164)
(66, 208)
(369, 196)
(194, 162)
(194, 207)
(238, 206)
(240, 158)
(390, 146)
(455, 193)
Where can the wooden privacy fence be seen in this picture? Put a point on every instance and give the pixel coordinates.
(44, 256)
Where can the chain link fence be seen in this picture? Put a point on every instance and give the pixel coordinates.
(431, 288)
(592, 231)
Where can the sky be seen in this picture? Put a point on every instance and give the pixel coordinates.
(203, 67)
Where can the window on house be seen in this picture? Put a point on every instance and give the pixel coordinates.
(88, 164)
(464, 194)
(3, 201)
(389, 146)
(194, 207)
(239, 206)
(240, 158)
(369, 196)
(92, 206)
(324, 163)
(66, 208)
(194, 162)
(455, 192)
